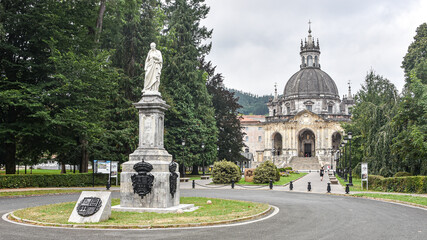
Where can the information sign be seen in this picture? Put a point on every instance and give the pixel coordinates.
(364, 174)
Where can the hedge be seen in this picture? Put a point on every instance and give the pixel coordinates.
(411, 184)
(52, 180)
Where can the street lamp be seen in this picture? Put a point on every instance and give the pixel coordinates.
(203, 159)
(183, 162)
(341, 153)
(345, 158)
(350, 178)
(332, 159)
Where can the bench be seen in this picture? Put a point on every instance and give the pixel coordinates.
(333, 181)
(184, 179)
(204, 177)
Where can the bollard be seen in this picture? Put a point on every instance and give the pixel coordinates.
(108, 185)
(291, 185)
(309, 186)
(271, 184)
(347, 188)
(232, 184)
(329, 188)
(309, 170)
(194, 184)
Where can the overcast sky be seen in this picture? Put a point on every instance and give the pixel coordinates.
(256, 42)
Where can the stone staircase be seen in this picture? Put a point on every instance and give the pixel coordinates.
(304, 163)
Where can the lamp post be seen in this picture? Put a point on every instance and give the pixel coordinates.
(332, 159)
(350, 178)
(345, 158)
(203, 159)
(229, 153)
(183, 162)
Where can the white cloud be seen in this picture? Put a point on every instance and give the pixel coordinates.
(256, 43)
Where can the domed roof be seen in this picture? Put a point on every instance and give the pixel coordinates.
(310, 82)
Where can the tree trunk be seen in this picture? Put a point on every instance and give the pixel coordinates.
(99, 20)
(195, 170)
(84, 164)
(63, 169)
(11, 157)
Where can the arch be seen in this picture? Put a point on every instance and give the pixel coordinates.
(277, 144)
(309, 61)
(336, 140)
(306, 143)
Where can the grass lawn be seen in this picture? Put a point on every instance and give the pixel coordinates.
(40, 171)
(357, 183)
(196, 177)
(283, 180)
(37, 192)
(219, 210)
(398, 197)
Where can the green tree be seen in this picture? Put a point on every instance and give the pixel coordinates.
(376, 105)
(417, 52)
(191, 116)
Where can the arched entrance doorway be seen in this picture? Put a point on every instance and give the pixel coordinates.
(277, 144)
(336, 140)
(306, 143)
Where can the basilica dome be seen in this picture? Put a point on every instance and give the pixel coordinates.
(310, 82)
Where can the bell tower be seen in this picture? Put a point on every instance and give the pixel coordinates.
(310, 51)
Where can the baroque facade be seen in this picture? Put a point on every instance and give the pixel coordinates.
(305, 122)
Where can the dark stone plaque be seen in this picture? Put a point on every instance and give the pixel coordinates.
(89, 206)
(143, 181)
(173, 178)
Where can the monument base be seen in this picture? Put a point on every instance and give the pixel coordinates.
(174, 209)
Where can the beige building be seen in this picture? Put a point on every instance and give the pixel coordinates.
(303, 127)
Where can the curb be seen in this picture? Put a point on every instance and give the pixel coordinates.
(408, 204)
(10, 216)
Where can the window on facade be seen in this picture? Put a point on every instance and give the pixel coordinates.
(288, 110)
(330, 108)
(309, 108)
(259, 128)
(259, 139)
(247, 139)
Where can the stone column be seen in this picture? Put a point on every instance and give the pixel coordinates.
(150, 149)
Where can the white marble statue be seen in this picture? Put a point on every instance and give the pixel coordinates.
(153, 68)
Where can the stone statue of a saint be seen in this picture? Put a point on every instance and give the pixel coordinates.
(153, 68)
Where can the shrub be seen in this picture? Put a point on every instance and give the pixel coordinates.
(410, 184)
(265, 172)
(288, 168)
(52, 180)
(282, 170)
(225, 171)
(357, 171)
(402, 174)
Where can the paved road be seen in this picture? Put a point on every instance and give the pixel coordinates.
(301, 216)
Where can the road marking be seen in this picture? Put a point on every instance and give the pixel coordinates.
(275, 211)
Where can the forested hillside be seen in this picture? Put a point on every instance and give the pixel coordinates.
(251, 103)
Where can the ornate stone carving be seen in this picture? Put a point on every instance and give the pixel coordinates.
(173, 178)
(89, 206)
(143, 181)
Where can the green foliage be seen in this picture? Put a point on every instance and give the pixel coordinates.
(51, 180)
(411, 184)
(265, 172)
(373, 133)
(225, 172)
(417, 51)
(251, 104)
(402, 174)
(357, 171)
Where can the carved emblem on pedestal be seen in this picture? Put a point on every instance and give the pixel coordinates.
(143, 181)
(173, 178)
(89, 206)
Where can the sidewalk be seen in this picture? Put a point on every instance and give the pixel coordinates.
(317, 186)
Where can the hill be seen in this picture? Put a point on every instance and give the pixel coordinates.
(251, 103)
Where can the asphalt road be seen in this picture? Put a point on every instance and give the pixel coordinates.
(301, 216)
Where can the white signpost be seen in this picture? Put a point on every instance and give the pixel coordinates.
(364, 174)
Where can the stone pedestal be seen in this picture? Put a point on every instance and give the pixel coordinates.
(151, 150)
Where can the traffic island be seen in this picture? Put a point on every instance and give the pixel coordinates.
(210, 211)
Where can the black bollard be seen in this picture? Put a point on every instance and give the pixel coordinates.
(291, 185)
(347, 188)
(232, 184)
(108, 185)
(194, 184)
(329, 188)
(271, 184)
(309, 186)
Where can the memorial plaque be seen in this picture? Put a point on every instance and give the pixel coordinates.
(92, 206)
(249, 174)
(143, 181)
(173, 178)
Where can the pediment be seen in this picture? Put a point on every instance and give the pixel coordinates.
(306, 116)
